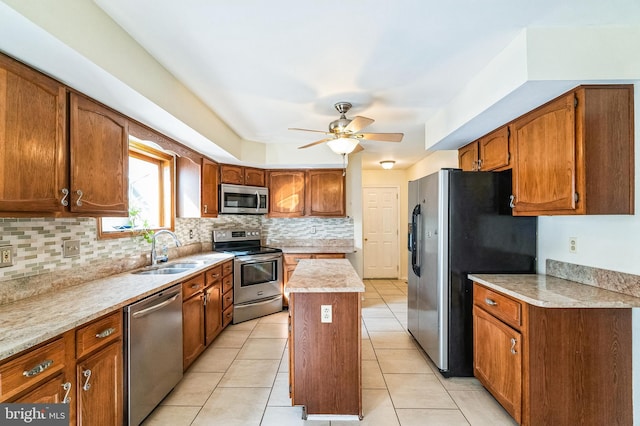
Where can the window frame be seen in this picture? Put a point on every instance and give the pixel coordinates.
(166, 163)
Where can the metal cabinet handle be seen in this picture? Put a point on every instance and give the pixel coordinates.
(194, 286)
(65, 193)
(479, 165)
(512, 199)
(38, 368)
(87, 385)
(78, 201)
(490, 302)
(513, 345)
(67, 389)
(106, 333)
(205, 208)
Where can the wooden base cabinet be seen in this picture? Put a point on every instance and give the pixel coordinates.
(325, 370)
(553, 366)
(207, 308)
(290, 261)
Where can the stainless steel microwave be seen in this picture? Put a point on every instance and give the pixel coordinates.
(240, 199)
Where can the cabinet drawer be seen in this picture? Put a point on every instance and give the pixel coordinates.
(498, 305)
(97, 334)
(295, 258)
(227, 316)
(227, 268)
(227, 283)
(192, 286)
(214, 274)
(328, 256)
(227, 300)
(30, 368)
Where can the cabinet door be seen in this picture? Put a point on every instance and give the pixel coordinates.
(468, 157)
(254, 177)
(209, 188)
(50, 392)
(33, 161)
(286, 193)
(188, 188)
(213, 312)
(326, 194)
(99, 380)
(231, 174)
(494, 150)
(497, 360)
(99, 159)
(544, 175)
(192, 329)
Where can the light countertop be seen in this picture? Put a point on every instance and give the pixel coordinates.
(31, 321)
(550, 292)
(324, 276)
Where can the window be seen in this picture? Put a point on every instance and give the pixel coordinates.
(151, 192)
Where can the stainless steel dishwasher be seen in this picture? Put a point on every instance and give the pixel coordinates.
(153, 351)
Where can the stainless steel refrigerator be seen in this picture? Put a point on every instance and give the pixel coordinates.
(459, 223)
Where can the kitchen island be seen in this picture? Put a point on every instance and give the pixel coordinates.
(553, 351)
(325, 351)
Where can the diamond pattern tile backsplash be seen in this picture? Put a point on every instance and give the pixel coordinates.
(37, 243)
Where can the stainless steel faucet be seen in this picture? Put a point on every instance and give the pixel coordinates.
(162, 258)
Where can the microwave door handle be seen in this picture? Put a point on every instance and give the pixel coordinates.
(257, 201)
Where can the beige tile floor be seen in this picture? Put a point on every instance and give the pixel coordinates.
(242, 378)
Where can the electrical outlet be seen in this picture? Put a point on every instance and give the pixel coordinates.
(573, 244)
(70, 248)
(313, 229)
(6, 257)
(325, 313)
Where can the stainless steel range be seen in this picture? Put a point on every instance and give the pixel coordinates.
(257, 273)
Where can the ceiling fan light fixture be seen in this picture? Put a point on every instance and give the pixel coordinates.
(343, 145)
(387, 164)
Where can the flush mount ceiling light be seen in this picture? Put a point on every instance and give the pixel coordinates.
(343, 146)
(387, 164)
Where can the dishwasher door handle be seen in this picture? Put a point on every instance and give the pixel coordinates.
(152, 309)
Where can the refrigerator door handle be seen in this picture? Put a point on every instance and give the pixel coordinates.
(413, 240)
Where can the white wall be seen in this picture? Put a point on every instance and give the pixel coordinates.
(354, 209)
(432, 163)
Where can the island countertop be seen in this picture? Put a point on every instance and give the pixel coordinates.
(547, 291)
(324, 276)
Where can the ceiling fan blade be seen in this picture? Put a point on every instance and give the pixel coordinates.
(357, 149)
(315, 143)
(358, 123)
(309, 130)
(382, 137)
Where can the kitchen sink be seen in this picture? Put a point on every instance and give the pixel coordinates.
(186, 265)
(161, 271)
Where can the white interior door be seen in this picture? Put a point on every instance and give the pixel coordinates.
(380, 234)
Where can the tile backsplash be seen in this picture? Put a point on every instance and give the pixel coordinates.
(37, 244)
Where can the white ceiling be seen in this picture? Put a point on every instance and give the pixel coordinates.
(264, 66)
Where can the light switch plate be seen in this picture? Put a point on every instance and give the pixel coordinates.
(6, 256)
(71, 248)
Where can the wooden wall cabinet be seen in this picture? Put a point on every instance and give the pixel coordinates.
(310, 193)
(205, 309)
(197, 188)
(34, 164)
(490, 152)
(575, 154)
(553, 365)
(240, 175)
(42, 171)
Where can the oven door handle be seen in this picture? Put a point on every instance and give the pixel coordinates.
(256, 259)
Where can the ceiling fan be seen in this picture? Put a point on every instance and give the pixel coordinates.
(344, 133)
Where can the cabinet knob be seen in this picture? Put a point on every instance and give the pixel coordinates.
(490, 302)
